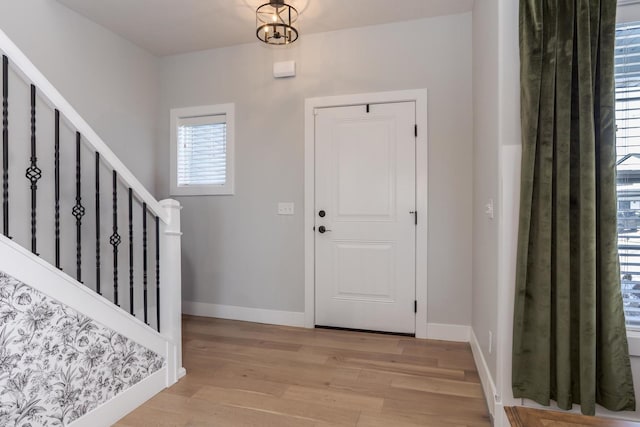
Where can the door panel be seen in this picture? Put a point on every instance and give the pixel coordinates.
(365, 189)
(364, 271)
(365, 183)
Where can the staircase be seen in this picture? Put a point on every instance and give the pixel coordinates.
(90, 281)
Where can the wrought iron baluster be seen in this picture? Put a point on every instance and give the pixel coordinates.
(33, 173)
(5, 145)
(56, 161)
(144, 261)
(115, 239)
(130, 250)
(78, 210)
(98, 290)
(158, 271)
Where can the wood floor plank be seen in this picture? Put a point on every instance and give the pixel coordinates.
(383, 376)
(146, 415)
(335, 398)
(205, 413)
(399, 368)
(441, 386)
(338, 354)
(313, 411)
(291, 375)
(402, 420)
(245, 374)
(192, 383)
(199, 346)
(411, 401)
(447, 358)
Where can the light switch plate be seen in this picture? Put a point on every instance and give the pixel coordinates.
(285, 208)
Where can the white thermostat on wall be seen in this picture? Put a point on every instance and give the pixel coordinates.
(284, 69)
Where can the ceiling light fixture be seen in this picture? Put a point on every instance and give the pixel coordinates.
(276, 23)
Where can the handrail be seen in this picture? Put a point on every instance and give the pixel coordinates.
(20, 62)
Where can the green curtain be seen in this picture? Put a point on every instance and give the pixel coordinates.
(569, 337)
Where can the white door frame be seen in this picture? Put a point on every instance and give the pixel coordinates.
(419, 96)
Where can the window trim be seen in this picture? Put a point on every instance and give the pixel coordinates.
(177, 114)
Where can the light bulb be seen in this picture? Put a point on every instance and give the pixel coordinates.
(274, 18)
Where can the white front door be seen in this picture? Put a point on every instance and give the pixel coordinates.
(365, 177)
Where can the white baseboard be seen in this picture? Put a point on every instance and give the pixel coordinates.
(444, 332)
(247, 314)
(488, 385)
(111, 411)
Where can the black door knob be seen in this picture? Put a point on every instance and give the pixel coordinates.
(322, 229)
(321, 214)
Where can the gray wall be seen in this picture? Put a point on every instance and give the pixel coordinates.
(485, 176)
(236, 250)
(112, 83)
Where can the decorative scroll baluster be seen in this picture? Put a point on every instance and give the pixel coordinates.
(115, 239)
(98, 290)
(130, 250)
(56, 165)
(5, 145)
(144, 260)
(33, 173)
(78, 210)
(158, 272)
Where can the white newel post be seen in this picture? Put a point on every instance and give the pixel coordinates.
(171, 288)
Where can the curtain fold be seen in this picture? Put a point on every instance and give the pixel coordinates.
(569, 337)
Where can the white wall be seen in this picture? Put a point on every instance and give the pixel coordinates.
(485, 177)
(236, 250)
(111, 82)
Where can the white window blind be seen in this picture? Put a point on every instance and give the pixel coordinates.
(202, 151)
(627, 83)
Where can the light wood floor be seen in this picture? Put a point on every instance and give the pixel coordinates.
(246, 374)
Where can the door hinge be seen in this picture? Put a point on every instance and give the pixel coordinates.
(416, 130)
(415, 306)
(368, 109)
(415, 216)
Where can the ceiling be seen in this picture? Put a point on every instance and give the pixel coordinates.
(167, 27)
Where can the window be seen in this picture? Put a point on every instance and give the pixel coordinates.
(202, 150)
(627, 80)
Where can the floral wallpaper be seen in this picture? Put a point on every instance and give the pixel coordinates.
(56, 364)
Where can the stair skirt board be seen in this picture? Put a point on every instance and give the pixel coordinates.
(113, 410)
